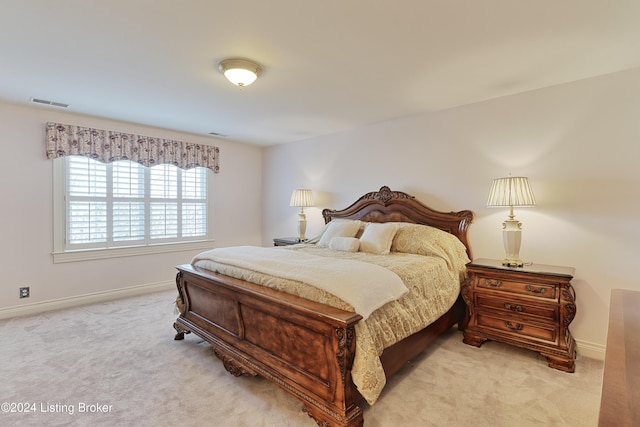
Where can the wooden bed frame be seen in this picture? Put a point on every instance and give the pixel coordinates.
(304, 347)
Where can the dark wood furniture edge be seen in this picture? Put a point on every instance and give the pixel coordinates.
(620, 401)
(214, 308)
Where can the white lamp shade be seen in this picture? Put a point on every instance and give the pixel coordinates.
(301, 197)
(511, 191)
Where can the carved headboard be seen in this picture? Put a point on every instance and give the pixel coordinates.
(395, 206)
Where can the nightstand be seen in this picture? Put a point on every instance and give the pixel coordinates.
(529, 307)
(285, 241)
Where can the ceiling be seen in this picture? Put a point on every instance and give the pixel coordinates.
(329, 66)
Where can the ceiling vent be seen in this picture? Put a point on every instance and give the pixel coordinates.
(46, 102)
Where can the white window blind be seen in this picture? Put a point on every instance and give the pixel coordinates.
(126, 204)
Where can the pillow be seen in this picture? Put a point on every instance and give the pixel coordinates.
(346, 244)
(377, 238)
(430, 241)
(339, 228)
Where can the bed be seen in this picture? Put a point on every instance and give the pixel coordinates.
(308, 347)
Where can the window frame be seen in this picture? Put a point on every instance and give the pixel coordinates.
(62, 255)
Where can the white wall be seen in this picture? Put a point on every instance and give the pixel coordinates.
(26, 215)
(578, 143)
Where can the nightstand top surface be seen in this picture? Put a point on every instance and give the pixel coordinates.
(530, 268)
(288, 240)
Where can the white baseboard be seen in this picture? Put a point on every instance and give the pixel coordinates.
(41, 307)
(590, 350)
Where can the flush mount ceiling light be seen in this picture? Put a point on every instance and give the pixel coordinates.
(240, 72)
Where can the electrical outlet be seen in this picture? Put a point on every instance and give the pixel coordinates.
(24, 292)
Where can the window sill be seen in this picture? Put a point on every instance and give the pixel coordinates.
(93, 254)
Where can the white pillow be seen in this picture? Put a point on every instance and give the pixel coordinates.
(377, 238)
(339, 228)
(346, 244)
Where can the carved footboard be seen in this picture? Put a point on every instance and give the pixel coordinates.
(304, 347)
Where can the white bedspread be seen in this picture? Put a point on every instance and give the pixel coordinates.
(366, 287)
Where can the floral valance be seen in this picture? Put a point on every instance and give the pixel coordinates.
(109, 146)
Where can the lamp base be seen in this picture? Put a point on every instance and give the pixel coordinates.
(512, 263)
(511, 237)
(302, 226)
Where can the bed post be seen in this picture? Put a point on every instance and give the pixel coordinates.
(347, 412)
(180, 305)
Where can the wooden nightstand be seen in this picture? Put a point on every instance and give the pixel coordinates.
(285, 241)
(529, 307)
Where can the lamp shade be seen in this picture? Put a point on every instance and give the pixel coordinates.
(511, 191)
(240, 72)
(301, 197)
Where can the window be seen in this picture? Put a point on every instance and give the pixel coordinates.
(124, 208)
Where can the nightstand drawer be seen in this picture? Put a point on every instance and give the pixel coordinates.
(538, 290)
(517, 327)
(543, 312)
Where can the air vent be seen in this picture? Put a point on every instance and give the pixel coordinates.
(46, 102)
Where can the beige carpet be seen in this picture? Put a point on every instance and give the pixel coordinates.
(116, 364)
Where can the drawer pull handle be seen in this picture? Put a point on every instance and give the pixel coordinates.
(534, 290)
(517, 327)
(517, 308)
(493, 283)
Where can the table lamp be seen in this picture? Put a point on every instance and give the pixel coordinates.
(301, 197)
(511, 191)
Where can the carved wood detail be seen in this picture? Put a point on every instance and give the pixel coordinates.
(180, 331)
(346, 349)
(385, 195)
(569, 306)
(321, 423)
(232, 365)
(180, 301)
(464, 292)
